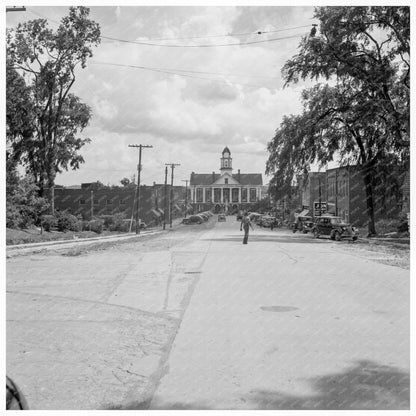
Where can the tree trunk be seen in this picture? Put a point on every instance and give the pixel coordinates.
(367, 176)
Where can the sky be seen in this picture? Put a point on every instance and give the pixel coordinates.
(214, 88)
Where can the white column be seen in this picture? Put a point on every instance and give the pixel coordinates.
(203, 195)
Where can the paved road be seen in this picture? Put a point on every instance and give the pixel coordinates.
(193, 319)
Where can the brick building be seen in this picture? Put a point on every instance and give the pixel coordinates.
(90, 200)
(342, 193)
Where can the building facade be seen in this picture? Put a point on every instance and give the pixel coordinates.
(225, 191)
(341, 192)
(89, 201)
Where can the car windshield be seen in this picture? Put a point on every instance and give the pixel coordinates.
(336, 221)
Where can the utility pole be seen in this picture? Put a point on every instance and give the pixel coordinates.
(165, 197)
(92, 204)
(172, 166)
(320, 196)
(336, 192)
(139, 168)
(186, 194)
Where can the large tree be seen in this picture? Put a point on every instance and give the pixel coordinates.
(361, 115)
(48, 60)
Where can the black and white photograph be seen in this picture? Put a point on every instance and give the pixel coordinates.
(207, 207)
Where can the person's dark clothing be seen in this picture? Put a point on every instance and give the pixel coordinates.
(246, 223)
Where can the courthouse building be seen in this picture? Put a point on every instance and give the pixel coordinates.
(225, 191)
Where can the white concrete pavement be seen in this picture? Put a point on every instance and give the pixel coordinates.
(289, 322)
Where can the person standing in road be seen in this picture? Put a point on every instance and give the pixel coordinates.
(246, 223)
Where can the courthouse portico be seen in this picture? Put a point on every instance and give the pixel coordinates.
(225, 191)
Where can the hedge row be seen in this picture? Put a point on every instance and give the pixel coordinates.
(64, 221)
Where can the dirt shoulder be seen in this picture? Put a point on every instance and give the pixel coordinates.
(394, 252)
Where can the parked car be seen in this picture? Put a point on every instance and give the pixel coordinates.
(266, 221)
(221, 217)
(193, 219)
(334, 227)
(304, 224)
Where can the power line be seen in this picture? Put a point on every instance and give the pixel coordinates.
(214, 45)
(171, 72)
(184, 70)
(260, 32)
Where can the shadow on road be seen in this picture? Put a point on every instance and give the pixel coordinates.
(277, 239)
(366, 386)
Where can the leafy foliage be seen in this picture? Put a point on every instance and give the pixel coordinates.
(67, 221)
(48, 222)
(96, 225)
(43, 133)
(23, 205)
(361, 114)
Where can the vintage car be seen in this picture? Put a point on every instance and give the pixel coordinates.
(267, 221)
(304, 224)
(193, 219)
(334, 228)
(221, 217)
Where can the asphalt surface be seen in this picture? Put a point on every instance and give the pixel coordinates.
(193, 319)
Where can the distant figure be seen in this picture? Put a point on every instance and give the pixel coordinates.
(246, 223)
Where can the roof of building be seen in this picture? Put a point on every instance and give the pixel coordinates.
(226, 149)
(243, 178)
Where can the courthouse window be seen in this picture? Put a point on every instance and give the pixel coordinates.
(252, 194)
(244, 195)
(217, 194)
(235, 194)
(208, 195)
(199, 194)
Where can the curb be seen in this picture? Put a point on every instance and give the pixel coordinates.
(34, 247)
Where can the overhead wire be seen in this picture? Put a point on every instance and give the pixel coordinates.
(172, 72)
(149, 43)
(213, 45)
(187, 71)
(190, 73)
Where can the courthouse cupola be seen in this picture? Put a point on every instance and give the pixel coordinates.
(226, 161)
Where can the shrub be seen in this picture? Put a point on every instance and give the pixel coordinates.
(68, 221)
(385, 226)
(119, 223)
(13, 216)
(23, 206)
(49, 221)
(96, 226)
(108, 221)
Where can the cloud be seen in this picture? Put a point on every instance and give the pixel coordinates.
(234, 95)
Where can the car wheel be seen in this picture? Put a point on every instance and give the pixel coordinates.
(355, 238)
(315, 233)
(337, 236)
